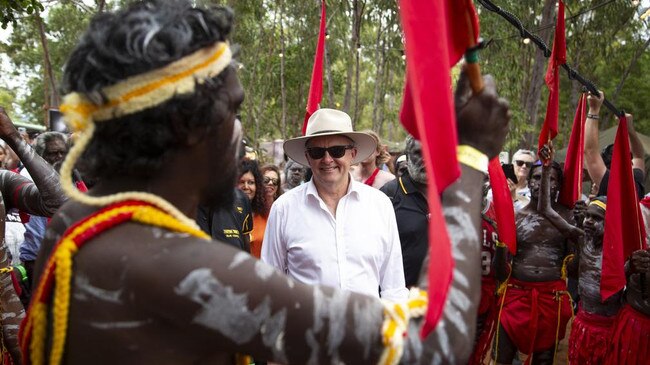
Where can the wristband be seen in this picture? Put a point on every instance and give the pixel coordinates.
(593, 116)
(473, 158)
(501, 244)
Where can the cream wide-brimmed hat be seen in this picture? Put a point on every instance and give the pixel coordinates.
(329, 122)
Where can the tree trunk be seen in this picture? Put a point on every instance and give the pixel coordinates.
(629, 68)
(53, 100)
(328, 75)
(357, 25)
(283, 91)
(354, 45)
(379, 56)
(537, 74)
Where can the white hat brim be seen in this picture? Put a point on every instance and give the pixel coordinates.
(364, 143)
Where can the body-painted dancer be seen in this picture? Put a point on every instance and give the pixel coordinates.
(41, 197)
(592, 327)
(535, 306)
(153, 95)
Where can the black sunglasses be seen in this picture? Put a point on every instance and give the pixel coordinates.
(316, 153)
(272, 181)
(521, 163)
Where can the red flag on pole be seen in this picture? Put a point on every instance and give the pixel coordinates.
(552, 78)
(316, 86)
(624, 229)
(503, 208)
(435, 40)
(573, 162)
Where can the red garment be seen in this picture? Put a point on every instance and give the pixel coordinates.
(488, 249)
(590, 335)
(530, 313)
(371, 180)
(630, 339)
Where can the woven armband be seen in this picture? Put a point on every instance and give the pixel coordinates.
(473, 158)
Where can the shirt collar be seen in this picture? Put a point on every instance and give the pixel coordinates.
(353, 188)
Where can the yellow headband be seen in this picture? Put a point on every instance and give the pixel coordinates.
(599, 204)
(130, 96)
(147, 90)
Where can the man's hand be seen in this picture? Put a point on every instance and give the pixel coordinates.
(482, 119)
(595, 102)
(579, 212)
(546, 154)
(640, 261)
(7, 127)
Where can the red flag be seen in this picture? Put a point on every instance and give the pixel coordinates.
(316, 86)
(624, 229)
(573, 162)
(435, 40)
(503, 208)
(558, 58)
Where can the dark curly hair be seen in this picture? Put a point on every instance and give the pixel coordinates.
(259, 201)
(146, 36)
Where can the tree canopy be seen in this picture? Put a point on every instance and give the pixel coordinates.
(364, 65)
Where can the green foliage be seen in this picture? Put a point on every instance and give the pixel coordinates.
(10, 9)
(601, 45)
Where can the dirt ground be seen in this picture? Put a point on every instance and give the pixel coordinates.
(562, 351)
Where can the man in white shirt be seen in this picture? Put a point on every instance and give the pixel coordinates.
(333, 230)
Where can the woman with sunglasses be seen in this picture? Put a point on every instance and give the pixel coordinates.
(522, 161)
(250, 182)
(272, 190)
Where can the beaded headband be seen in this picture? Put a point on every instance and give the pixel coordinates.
(132, 95)
(599, 204)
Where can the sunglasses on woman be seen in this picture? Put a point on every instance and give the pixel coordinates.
(272, 181)
(521, 163)
(316, 153)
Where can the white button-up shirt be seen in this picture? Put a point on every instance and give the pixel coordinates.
(358, 250)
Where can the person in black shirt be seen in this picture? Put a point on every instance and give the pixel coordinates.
(229, 225)
(408, 193)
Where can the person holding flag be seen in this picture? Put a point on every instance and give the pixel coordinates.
(535, 306)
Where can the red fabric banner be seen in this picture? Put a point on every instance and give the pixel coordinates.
(624, 229)
(503, 208)
(316, 86)
(573, 162)
(558, 58)
(437, 34)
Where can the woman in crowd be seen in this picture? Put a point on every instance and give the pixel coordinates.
(250, 182)
(369, 171)
(272, 190)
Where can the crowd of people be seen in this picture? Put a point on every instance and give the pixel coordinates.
(187, 249)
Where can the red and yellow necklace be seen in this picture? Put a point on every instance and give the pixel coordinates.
(58, 270)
